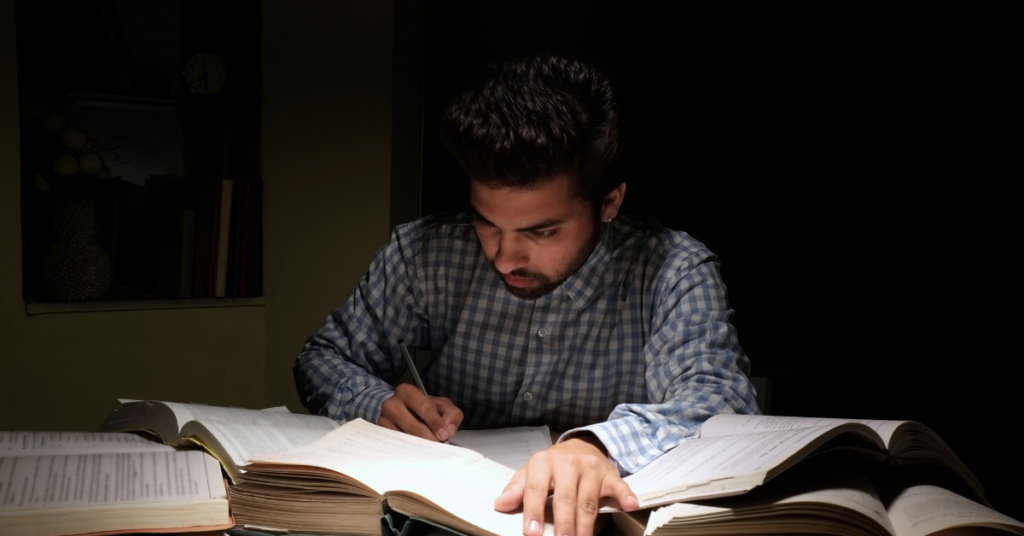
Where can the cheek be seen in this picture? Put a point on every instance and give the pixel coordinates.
(489, 239)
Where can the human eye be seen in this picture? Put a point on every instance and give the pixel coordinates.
(544, 233)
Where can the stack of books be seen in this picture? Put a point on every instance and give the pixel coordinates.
(306, 474)
(208, 237)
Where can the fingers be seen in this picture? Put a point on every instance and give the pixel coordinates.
(536, 487)
(451, 415)
(580, 475)
(567, 480)
(395, 412)
(580, 517)
(434, 418)
(619, 490)
(386, 423)
(512, 496)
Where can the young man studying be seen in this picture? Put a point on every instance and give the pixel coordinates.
(540, 303)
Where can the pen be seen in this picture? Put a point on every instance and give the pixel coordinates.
(412, 368)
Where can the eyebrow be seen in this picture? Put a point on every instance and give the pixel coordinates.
(552, 222)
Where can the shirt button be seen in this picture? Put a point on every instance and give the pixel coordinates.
(542, 332)
(527, 396)
(632, 459)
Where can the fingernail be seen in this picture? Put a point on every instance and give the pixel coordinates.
(452, 429)
(534, 526)
(442, 434)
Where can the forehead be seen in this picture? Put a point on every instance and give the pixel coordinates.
(552, 199)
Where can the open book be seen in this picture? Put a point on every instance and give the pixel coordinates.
(821, 500)
(442, 484)
(232, 435)
(736, 453)
(57, 483)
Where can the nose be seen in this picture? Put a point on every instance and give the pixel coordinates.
(511, 254)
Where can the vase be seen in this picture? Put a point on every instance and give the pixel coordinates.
(74, 266)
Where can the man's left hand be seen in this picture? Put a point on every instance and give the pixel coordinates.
(580, 473)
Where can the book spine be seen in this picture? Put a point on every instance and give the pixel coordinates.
(118, 54)
(211, 265)
(223, 239)
(201, 262)
(235, 245)
(243, 265)
(187, 253)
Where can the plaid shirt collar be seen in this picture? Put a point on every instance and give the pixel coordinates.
(590, 281)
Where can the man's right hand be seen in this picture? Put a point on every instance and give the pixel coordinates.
(435, 418)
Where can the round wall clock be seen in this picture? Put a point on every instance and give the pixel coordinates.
(204, 73)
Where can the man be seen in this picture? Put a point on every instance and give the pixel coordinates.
(541, 305)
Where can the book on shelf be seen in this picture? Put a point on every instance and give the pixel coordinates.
(244, 236)
(225, 246)
(736, 453)
(299, 502)
(201, 263)
(60, 483)
(822, 498)
(219, 266)
(175, 251)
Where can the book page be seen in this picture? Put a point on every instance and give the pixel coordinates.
(51, 443)
(84, 480)
(243, 441)
(921, 510)
(274, 419)
(468, 493)
(369, 453)
(729, 424)
(702, 461)
(511, 447)
(768, 504)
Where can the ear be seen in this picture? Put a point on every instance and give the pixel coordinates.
(611, 203)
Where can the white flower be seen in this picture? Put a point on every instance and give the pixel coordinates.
(73, 138)
(65, 165)
(92, 164)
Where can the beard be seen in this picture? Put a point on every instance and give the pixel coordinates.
(546, 284)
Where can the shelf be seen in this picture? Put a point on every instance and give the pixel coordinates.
(47, 308)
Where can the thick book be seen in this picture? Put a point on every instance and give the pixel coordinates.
(736, 453)
(60, 483)
(232, 435)
(823, 499)
(300, 504)
(443, 484)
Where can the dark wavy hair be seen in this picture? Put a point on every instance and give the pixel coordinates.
(526, 122)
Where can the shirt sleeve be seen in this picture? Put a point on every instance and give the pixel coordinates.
(347, 368)
(695, 369)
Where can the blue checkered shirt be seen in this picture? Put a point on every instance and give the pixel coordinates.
(636, 347)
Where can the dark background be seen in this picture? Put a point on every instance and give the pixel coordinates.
(848, 164)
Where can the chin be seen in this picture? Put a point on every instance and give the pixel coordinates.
(532, 293)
